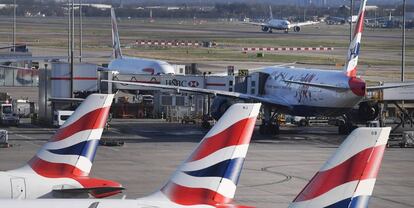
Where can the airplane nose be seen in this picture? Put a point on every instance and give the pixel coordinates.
(358, 86)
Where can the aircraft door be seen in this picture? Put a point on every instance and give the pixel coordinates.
(18, 186)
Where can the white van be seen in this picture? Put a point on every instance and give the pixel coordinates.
(60, 117)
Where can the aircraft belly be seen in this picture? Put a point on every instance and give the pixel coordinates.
(311, 101)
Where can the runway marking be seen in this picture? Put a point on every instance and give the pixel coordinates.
(25, 137)
(111, 148)
(116, 131)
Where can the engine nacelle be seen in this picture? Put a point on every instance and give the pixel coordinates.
(296, 29)
(219, 107)
(265, 29)
(368, 111)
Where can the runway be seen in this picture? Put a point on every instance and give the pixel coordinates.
(276, 167)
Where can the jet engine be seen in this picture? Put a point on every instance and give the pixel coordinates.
(368, 110)
(265, 29)
(219, 107)
(296, 29)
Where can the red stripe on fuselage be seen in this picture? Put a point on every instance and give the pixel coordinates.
(237, 134)
(364, 165)
(95, 119)
(193, 196)
(61, 170)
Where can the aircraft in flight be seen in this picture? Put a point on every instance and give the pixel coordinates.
(280, 24)
(301, 91)
(133, 65)
(209, 177)
(61, 167)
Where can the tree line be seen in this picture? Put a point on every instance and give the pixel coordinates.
(219, 10)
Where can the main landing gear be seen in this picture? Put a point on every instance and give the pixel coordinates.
(270, 123)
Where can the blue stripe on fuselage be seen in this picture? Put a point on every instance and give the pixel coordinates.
(86, 149)
(229, 169)
(356, 202)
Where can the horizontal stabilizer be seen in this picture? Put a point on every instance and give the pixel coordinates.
(383, 87)
(99, 188)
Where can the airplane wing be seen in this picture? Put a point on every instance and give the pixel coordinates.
(23, 58)
(256, 23)
(382, 87)
(13, 67)
(320, 85)
(299, 24)
(237, 95)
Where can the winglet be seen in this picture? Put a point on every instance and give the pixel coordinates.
(211, 173)
(347, 179)
(353, 50)
(116, 44)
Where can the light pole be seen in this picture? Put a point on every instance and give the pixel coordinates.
(14, 26)
(351, 13)
(403, 44)
(80, 31)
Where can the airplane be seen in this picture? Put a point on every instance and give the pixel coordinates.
(133, 65)
(341, 20)
(209, 177)
(302, 91)
(280, 24)
(61, 167)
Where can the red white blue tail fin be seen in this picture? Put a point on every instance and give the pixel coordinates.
(347, 179)
(116, 44)
(211, 173)
(71, 150)
(353, 50)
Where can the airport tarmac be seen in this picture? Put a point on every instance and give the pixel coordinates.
(275, 171)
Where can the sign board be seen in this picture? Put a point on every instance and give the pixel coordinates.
(183, 81)
(243, 72)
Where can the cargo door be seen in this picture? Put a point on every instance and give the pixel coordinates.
(18, 186)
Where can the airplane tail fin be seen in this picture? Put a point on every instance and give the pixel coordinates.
(116, 44)
(270, 12)
(347, 179)
(211, 173)
(71, 150)
(353, 50)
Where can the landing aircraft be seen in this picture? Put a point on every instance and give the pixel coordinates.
(302, 91)
(61, 167)
(133, 65)
(209, 177)
(280, 24)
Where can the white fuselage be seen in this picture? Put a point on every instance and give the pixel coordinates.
(132, 65)
(305, 100)
(24, 183)
(278, 24)
(155, 200)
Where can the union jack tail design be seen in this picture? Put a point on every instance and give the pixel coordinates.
(116, 44)
(210, 175)
(347, 179)
(71, 151)
(353, 50)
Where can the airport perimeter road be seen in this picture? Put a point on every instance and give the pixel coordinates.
(276, 168)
